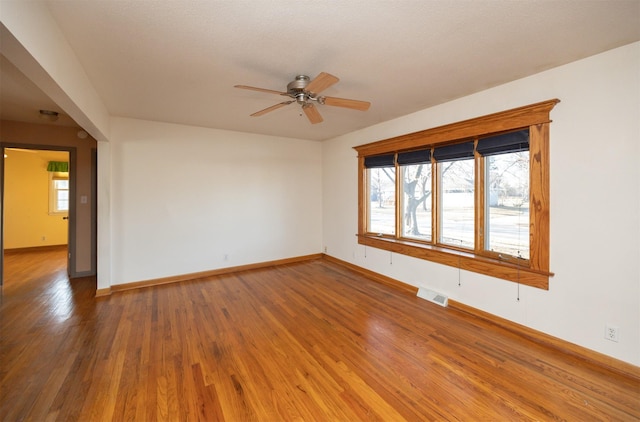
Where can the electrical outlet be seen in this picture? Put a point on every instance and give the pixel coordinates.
(225, 257)
(611, 333)
(325, 249)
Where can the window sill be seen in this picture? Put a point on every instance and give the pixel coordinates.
(463, 260)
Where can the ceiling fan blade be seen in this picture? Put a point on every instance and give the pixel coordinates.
(268, 109)
(343, 102)
(312, 113)
(253, 88)
(321, 82)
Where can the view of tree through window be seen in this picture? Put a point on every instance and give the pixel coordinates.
(506, 190)
(416, 201)
(462, 194)
(507, 202)
(382, 195)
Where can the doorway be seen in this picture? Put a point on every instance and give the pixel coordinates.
(37, 201)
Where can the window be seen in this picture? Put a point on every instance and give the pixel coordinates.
(416, 201)
(58, 192)
(381, 179)
(456, 186)
(472, 194)
(506, 160)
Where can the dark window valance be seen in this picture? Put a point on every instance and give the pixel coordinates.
(454, 152)
(505, 143)
(498, 144)
(387, 160)
(58, 166)
(422, 156)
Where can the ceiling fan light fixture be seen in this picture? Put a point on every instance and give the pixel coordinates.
(49, 115)
(301, 98)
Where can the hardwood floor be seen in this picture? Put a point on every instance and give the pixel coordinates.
(308, 341)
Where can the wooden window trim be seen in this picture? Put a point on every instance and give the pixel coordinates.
(533, 272)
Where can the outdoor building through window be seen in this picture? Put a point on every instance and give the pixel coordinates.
(472, 194)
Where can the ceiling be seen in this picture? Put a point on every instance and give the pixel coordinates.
(178, 61)
(21, 100)
(44, 155)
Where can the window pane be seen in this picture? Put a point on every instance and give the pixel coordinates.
(382, 200)
(62, 205)
(457, 203)
(61, 184)
(62, 200)
(507, 204)
(416, 201)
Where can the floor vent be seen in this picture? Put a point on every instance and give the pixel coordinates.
(432, 296)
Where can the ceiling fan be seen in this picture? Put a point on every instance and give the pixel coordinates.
(304, 91)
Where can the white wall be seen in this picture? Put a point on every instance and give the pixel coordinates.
(182, 198)
(595, 204)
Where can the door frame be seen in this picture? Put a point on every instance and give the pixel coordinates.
(71, 225)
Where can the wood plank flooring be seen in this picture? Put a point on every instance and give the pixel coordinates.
(310, 341)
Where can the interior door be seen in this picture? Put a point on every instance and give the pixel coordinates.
(2, 218)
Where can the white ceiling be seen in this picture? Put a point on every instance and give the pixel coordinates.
(177, 61)
(44, 155)
(21, 100)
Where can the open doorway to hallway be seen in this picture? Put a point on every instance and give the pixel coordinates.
(29, 139)
(36, 202)
(36, 194)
